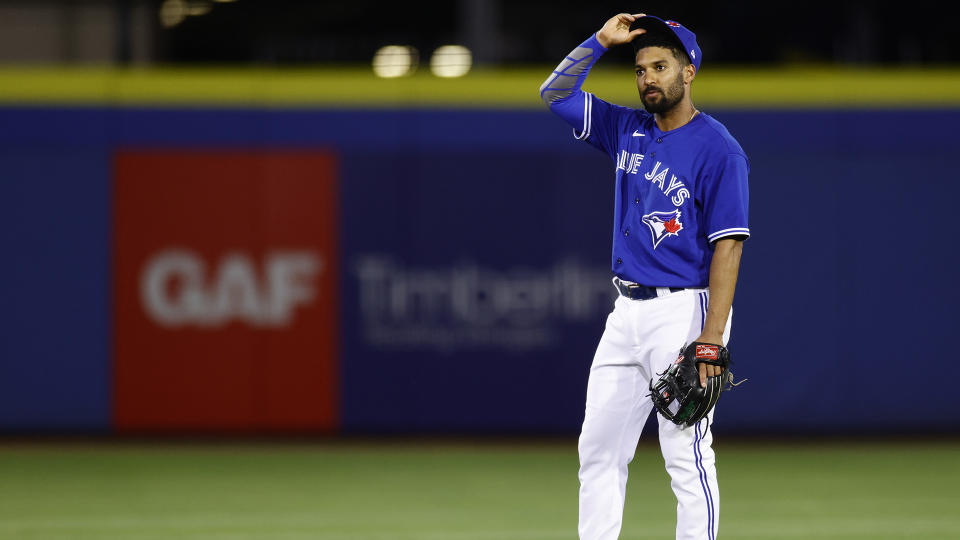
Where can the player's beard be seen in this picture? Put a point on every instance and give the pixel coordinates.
(669, 97)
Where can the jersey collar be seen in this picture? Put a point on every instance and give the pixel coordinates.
(656, 129)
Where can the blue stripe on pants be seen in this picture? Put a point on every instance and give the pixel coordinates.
(697, 454)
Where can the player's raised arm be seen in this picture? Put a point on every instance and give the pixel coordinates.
(568, 77)
(593, 120)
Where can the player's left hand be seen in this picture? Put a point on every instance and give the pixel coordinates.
(617, 30)
(707, 370)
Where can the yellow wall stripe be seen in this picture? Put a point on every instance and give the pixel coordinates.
(356, 86)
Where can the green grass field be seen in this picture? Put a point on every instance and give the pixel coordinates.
(458, 491)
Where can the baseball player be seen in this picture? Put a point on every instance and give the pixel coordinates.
(679, 221)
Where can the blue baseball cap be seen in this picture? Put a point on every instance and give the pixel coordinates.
(657, 27)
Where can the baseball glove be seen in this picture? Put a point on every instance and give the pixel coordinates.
(677, 394)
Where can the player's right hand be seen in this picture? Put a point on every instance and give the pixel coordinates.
(617, 30)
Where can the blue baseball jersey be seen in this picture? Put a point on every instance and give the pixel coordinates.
(677, 191)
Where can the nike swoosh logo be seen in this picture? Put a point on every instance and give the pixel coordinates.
(638, 134)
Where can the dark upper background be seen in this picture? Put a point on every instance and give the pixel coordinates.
(505, 32)
(499, 32)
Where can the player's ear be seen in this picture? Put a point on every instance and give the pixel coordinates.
(689, 73)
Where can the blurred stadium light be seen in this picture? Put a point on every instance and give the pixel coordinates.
(395, 61)
(172, 13)
(451, 61)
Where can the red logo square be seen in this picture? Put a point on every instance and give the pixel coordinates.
(225, 290)
(708, 352)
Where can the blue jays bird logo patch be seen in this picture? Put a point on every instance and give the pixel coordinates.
(663, 224)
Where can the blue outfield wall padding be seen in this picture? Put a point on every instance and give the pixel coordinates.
(475, 278)
(54, 229)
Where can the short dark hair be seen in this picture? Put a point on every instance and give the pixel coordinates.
(660, 40)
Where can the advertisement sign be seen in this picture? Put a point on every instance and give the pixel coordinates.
(474, 290)
(225, 270)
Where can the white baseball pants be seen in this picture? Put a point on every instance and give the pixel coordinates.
(642, 339)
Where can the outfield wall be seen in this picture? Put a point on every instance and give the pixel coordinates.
(443, 270)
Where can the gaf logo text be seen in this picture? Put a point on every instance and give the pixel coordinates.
(177, 288)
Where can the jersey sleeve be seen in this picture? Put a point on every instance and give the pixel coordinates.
(593, 119)
(725, 199)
